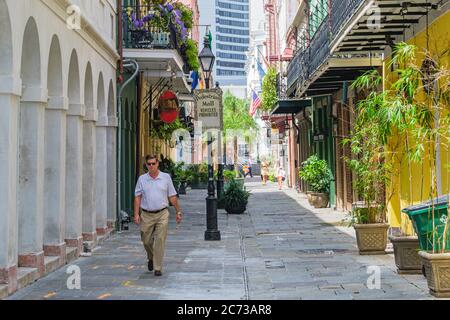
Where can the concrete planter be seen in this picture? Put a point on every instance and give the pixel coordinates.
(371, 238)
(406, 252)
(437, 270)
(318, 200)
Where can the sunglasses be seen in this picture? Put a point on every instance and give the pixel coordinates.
(151, 164)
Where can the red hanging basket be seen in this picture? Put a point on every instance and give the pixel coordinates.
(168, 107)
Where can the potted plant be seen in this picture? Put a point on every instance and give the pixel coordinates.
(235, 198)
(184, 176)
(199, 176)
(424, 88)
(414, 109)
(371, 168)
(316, 173)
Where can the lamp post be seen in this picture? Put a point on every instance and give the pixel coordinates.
(212, 233)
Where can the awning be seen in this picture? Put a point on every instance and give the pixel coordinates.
(291, 106)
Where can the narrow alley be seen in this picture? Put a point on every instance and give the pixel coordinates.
(280, 248)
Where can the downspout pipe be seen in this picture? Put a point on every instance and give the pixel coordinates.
(127, 63)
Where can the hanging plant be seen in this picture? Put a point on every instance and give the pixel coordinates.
(163, 131)
(192, 55)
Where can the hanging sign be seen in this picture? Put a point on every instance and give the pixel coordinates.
(208, 108)
(168, 107)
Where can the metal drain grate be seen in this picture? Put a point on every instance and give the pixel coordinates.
(324, 251)
(277, 264)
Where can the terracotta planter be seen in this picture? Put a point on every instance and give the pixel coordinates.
(318, 200)
(371, 238)
(437, 270)
(406, 252)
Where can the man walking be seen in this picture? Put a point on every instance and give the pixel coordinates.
(153, 191)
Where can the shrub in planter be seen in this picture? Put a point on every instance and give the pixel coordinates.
(371, 231)
(235, 198)
(317, 174)
(185, 177)
(199, 176)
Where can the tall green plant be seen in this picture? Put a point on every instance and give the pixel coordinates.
(408, 109)
(236, 118)
(269, 90)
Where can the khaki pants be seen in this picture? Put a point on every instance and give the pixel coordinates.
(153, 235)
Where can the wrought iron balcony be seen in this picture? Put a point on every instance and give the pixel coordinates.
(319, 50)
(341, 12)
(142, 33)
(308, 60)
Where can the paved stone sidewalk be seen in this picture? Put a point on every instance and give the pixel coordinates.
(281, 249)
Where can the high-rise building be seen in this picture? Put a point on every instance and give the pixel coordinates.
(229, 22)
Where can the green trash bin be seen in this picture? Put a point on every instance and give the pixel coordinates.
(421, 216)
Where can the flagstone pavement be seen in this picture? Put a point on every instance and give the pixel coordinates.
(281, 248)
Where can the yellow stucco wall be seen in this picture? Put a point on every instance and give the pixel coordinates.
(410, 184)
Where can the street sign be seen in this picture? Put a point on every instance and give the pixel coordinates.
(208, 108)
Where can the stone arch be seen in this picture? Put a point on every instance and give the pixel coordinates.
(8, 147)
(101, 97)
(73, 91)
(30, 70)
(88, 88)
(111, 146)
(74, 157)
(6, 46)
(54, 76)
(55, 156)
(89, 158)
(31, 152)
(101, 160)
(111, 100)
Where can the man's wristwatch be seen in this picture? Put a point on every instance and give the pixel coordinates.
(179, 213)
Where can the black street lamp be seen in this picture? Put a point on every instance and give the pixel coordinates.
(207, 60)
(212, 232)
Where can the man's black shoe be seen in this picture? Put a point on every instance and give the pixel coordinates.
(150, 265)
(158, 273)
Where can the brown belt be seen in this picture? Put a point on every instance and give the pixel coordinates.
(153, 212)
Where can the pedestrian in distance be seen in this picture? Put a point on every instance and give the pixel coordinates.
(246, 170)
(281, 175)
(265, 172)
(153, 192)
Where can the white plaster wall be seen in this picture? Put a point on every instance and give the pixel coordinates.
(94, 43)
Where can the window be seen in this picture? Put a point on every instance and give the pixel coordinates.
(112, 25)
(223, 72)
(319, 11)
(239, 32)
(229, 14)
(233, 56)
(232, 6)
(229, 64)
(232, 23)
(231, 48)
(233, 39)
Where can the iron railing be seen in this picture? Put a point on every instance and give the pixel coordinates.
(307, 60)
(146, 35)
(293, 69)
(341, 12)
(319, 50)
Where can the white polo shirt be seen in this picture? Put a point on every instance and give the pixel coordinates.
(155, 192)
